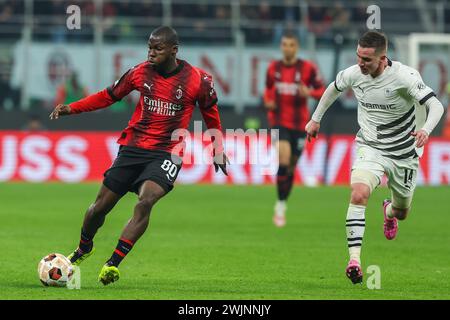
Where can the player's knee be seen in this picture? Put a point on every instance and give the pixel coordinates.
(145, 205)
(284, 156)
(147, 202)
(359, 196)
(284, 161)
(100, 207)
(104, 202)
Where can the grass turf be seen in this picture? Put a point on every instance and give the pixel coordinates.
(218, 242)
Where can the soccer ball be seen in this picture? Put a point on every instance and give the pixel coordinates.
(55, 270)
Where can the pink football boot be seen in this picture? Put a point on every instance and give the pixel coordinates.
(354, 272)
(390, 225)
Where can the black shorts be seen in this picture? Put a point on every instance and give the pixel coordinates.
(295, 138)
(134, 165)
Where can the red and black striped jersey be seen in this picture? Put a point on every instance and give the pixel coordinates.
(166, 103)
(282, 87)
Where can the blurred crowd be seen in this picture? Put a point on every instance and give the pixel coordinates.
(197, 22)
(261, 21)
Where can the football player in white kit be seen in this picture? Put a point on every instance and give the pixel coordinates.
(394, 127)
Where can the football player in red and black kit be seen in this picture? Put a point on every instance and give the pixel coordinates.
(289, 83)
(147, 162)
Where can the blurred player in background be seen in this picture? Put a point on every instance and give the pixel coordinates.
(147, 162)
(289, 83)
(394, 127)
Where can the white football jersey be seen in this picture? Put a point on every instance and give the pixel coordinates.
(390, 107)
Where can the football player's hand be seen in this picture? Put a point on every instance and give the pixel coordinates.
(304, 91)
(312, 129)
(421, 137)
(270, 105)
(220, 161)
(60, 110)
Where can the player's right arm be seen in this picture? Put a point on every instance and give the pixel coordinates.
(269, 91)
(333, 91)
(99, 100)
(93, 102)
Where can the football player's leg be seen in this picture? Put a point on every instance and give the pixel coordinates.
(402, 182)
(93, 220)
(297, 143)
(394, 210)
(96, 213)
(149, 193)
(291, 174)
(363, 182)
(400, 206)
(283, 183)
(284, 159)
(292, 166)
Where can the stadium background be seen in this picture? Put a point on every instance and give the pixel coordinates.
(233, 40)
(209, 241)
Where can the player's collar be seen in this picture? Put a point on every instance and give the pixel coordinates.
(295, 64)
(174, 72)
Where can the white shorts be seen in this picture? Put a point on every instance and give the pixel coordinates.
(401, 174)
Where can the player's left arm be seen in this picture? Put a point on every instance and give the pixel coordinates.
(435, 112)
(316, 87)
(93, 102)
(208, 107)
(427, 98)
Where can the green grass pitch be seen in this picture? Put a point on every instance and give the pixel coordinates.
(218, 242)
